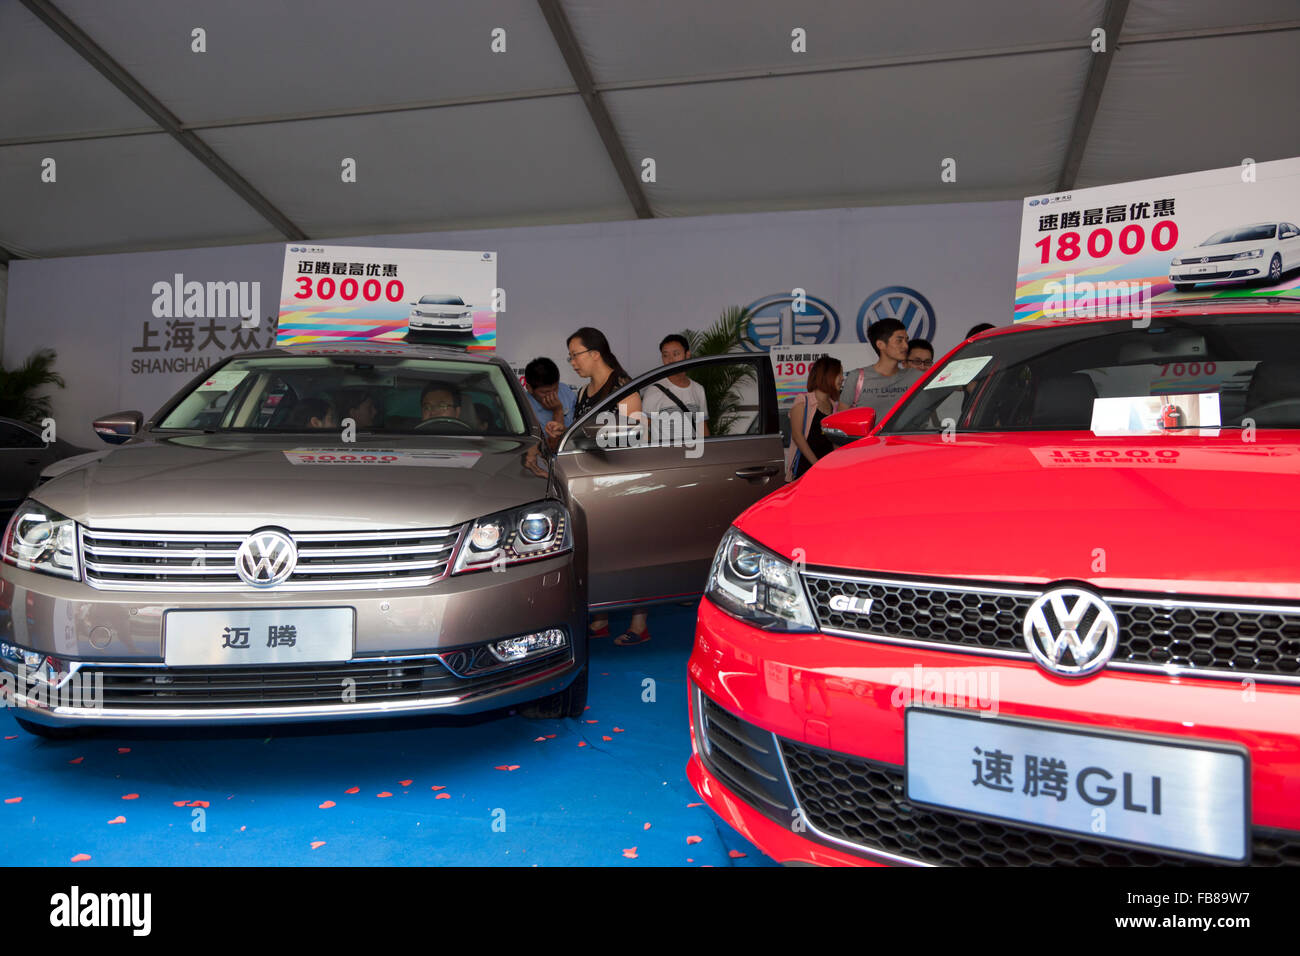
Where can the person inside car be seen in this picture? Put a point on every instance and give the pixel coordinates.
(313, 413)
(359, 405)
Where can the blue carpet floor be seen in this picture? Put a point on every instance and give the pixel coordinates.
(609, 790)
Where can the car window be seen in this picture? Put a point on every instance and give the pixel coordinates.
(12, 436)
(1051, 378)
(379, 395)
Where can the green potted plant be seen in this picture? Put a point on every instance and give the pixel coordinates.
(19, 387)
(721, 383)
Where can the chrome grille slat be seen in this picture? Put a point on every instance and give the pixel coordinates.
(1208, 637)
(205, 561)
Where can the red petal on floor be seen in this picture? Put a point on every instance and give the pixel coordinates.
(352, 790)
(630, 853)
(695, 804)
(507, 766)
(242, 829)
(443, 796)
(693, 839)
(13, 800)
(12, 737)
(76, 760)
(593, 721)
(327, 804)
(550, 736)
(737, 855)
(180, 803)
(117, 819)
(646, 827)
(588, 707)
(618, 730)
(317, 844)
(81, 858)
(536, 739)
(406, 783)
(198, 803)
(131, 796)
(582, 743)
(383, 793)
(124, 750)
(437, 788)
(606, 737)
(689, 860)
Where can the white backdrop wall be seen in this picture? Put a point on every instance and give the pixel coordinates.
(635, 280)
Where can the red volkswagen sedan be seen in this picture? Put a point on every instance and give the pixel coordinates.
(1031, 617)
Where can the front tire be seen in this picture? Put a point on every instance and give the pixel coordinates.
(570, 702)
(1275, 269)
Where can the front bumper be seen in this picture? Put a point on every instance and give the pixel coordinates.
(812, 765)
(1221, 272)
(409, 650)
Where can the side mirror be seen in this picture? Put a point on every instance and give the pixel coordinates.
(119, 427)
(850, 425)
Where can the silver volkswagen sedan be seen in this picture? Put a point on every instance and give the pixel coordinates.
(358, 531)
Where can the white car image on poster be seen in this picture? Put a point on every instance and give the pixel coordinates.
(1125, 249)
(443, 297)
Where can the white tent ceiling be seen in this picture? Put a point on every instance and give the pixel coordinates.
(447, 134)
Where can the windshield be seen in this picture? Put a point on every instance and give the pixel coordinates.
(441, 300)
(1242, 234)
(1231, 371)
(381, 395)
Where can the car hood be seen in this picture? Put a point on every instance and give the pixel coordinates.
(222, 482)
(1187, 514)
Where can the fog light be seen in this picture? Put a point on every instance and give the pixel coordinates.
(528, 645)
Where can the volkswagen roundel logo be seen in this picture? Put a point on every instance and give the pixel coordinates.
(787, 320)
(898, 302)
(1071, 632)
(266, 558)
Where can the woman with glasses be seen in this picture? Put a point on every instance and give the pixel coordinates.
(591, 358)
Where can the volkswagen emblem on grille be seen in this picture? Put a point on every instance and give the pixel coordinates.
(266, 558)
(1071, 632)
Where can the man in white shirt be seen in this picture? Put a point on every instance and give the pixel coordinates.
(676, 398)
(879, 386)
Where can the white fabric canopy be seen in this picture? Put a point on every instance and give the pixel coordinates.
(448, 134)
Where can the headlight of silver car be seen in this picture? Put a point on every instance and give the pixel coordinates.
(40, 539)
(512, 537)
(1253, 254)
(753, 584)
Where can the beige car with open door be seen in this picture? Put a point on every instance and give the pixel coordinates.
(652, 506)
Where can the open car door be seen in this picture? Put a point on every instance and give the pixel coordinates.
(653, 500)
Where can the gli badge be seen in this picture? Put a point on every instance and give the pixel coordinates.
(850, 604)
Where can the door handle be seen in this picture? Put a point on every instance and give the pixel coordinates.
(758, 471)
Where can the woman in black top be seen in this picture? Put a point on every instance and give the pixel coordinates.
(591, 358)
(810, 445)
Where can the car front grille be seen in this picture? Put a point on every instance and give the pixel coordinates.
(863, 803)
(1211, 276)
(183, 561)
(1208, 637)
(155, 687)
